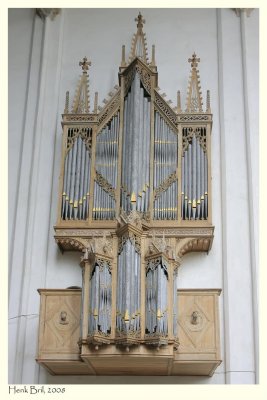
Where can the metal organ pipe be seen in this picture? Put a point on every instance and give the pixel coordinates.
(106, 166)
(198, 181)
(77, 178)
(195, 176)
(175, 311)
(135, 153)
(100, 299)
(156, 297)
(206, 184)
(128, 293)
(165, 164)
(81, 186)
(75, 187)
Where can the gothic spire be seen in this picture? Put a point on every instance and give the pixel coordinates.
(139, 45)
(81, 102)
(194, 95)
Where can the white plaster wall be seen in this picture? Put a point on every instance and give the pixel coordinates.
(54, 50)
(20, 45)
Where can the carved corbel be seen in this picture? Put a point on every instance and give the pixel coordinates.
(193, 244)
(71, 243)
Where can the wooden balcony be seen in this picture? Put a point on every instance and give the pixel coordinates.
(62, 352)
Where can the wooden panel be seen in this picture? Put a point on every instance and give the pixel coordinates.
(130, 365)
(198, 353)
(189, 368)
(67, 367)
(198, 325)
(59, 328)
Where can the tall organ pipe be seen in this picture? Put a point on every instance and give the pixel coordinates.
(106, 165)
(175, 310)
(195, 178)
(75, 188)
(128, 293)
(100, 300)
(81, 187)
(165, 164)
(156, 298)
(136, 143)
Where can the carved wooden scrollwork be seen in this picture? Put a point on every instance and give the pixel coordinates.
(72, 244)
(165, 185)
(84, 132)
(80, 118)
(188, 245)
(129, 78)
(109, 110)
(166, 110)
(134, 239)
(104, 184)
(133, 217)
(193, 117)
(199, 132)
(145, 77)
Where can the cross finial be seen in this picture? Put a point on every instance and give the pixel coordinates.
(194, 60)
(85, 65)
(140, 20)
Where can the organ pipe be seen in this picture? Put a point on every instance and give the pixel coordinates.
(100, 299)
(175, 305)
(106, 164)
(128, 289)
(76, 177)
(165, 164)
(135, 149)
(194, 175)
(156, 297)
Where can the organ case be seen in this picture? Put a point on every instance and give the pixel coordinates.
(135, 197)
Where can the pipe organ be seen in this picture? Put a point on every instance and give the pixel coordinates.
(136, 148)
(135, 197)
(106, 170)
(76, 174)
(165, 171)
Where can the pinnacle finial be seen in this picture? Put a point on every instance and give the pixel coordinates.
(153, 63)
(66, 110)
(140, 20)
(85, 65)
(194, 60)
(96, 102)
(178, 101)
(123, 63)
